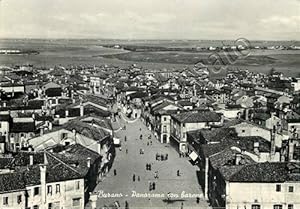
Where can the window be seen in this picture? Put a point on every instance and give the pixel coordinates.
(77, 185)
(243, 131)
(278, 188)
(54, 205)
(291, 189)
(5, 200)
(255, 206)
(19, 199)
(49, 190)
(57, 188)
(35, 207)
(36, 191)
(76, 202)
(164, 129)
(165, 118)
(290, 206)
(277, 207)
(64, 135)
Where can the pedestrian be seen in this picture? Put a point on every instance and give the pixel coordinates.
(150, 142)
(153, 185)
(126, 151)
(198, 200)
(156, 175)
(133, 178)
(139, 178)
(150, 186)
(167, 156)
(115, 172)
(126, 205)
(125, 139)
(149, 167)
(181, 205)
(178, 173)
(120, 148)
(147, 143)
(140, 129)
(180, 154)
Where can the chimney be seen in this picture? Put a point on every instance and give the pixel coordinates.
(4, 104)
(238, 157)
(88, 162)
(50, 103)
(73, 101)
(50, 125)
(31, 159)
(74, 133)
(81, 110)
(273, 135)
(33, 116)
(43, 170)
(41, 131)
(247, 114)
(56, 100)
(67, 113)
(99, 148)
(256, 147)
(291, 149)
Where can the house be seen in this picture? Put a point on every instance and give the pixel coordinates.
(246, 128)
(77, 132)
(162, 116)
(21, 130)
(252, 186)
(51, 184)
(188, 121)
(52, 89)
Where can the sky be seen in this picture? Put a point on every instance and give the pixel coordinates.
(151, 19)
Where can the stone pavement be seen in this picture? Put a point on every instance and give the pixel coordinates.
(134, 163)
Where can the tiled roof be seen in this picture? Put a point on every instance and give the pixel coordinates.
(247, 143)
(5, 162)
(86, 130)
(76, 156)
(211, 149)
(197, 117)
(227, 157)
(5, 118)
(11, 182)
(267, 172)
(218, 134)
(22, 127)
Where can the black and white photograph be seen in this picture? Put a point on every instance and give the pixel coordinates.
(149, 104)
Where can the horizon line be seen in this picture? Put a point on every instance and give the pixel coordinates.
(150, 39)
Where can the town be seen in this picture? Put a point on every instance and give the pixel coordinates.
(105, 136)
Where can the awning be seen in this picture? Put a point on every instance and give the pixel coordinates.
(193, 156)
(117, 141)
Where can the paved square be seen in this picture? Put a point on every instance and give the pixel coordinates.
(131, 162)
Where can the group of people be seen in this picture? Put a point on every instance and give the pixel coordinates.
(161, 157)
(134, 178)
(152, 186)
(148, 166)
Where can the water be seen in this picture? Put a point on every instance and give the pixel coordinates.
(88, 52)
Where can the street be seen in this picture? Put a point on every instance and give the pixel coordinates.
(171, 190)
